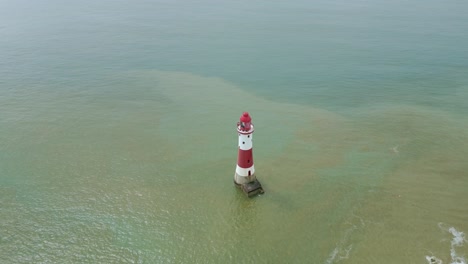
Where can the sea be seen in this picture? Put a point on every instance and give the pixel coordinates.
(118, 139)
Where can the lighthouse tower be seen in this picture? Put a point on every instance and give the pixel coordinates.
(244, 176)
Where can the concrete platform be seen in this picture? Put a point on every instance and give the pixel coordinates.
(252, 188)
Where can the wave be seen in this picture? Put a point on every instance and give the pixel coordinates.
(458, 240)
(343, 247)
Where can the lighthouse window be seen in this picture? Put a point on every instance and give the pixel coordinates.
(243, 142)
(248, 161)
(248, 136)
(249, 173)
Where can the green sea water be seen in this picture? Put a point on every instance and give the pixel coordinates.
(118, 139)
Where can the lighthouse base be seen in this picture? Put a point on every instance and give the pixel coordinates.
(251, 188)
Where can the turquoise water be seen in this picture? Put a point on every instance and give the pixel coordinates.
(118, 140)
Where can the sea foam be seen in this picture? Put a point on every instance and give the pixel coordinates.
(458, 240)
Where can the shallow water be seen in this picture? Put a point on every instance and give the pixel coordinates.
(118, 142)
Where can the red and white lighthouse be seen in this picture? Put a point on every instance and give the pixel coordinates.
(245, 170)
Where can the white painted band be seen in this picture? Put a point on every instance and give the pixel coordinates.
(245, 142)
(245, 172)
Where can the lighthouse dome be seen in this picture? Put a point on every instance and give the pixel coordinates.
(245, 117)
(245, 122)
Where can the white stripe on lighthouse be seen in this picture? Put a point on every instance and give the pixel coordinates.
(245, 141)
(245, 172)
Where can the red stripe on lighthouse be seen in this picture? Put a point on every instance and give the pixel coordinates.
(245, 158)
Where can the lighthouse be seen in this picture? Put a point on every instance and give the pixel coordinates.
(244, 177)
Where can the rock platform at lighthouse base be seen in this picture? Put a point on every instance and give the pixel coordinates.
(251, 188)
